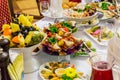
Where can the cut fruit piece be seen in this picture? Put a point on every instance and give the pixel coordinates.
(15, 39)
(5, 26)
(15, 27)
(7, 31)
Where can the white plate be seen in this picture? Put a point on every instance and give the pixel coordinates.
(40, 69)
(81, 19)
(89, 25)
(103, 42)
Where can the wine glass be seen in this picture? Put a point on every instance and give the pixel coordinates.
(44, 7)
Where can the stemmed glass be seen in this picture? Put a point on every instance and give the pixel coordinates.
(44, 7)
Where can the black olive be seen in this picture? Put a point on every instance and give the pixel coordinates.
(15, 33)
(89, 22)
(50, 77)
(24, 35)
(31, 29)
(47, 67)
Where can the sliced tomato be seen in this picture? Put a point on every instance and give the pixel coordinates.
(66, 29)
(111, 7)
(49, 34)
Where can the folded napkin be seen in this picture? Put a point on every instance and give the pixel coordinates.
(15, 68)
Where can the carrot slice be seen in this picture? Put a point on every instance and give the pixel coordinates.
(7, 32)
(15, 39)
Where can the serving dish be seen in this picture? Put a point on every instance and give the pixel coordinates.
(99, 34)
(88, 23)
(49, 71)
(80, 12)
(24, 37)
(60, 40)
(104, 8)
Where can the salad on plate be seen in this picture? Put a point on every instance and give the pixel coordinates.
(80, 11)
(99, 33)
(59, 40)
(105, 8)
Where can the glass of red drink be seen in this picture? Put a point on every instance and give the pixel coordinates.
(101, 68)
(75, 0)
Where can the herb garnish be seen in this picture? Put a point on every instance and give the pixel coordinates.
(53, 29)
(52, 40)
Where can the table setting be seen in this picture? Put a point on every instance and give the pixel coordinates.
(81, 62)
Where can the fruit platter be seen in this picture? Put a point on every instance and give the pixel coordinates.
(80, 12)
(60, 71)
(22, 33)
(105, 9)
(99, 33)
(24, 37)
(60, 40)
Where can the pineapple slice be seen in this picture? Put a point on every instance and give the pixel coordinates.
(15, 27)
(24, 20)
(29, 37)
(5, 26)
(21, 40)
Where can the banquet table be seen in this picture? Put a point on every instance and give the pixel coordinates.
(80, 62)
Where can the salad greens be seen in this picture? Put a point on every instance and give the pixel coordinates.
(83, 53)
(94, 28)
(65, 77)
(67, 24)
(79, 53)
(105, 5)
(52, 40)
(80, 10)
(87, 7)
(53, 29)
(93, 49)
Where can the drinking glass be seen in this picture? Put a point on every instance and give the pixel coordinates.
(56, 9)
(44, 6)
(102, 69)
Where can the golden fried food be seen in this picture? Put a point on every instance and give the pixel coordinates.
(69, 5)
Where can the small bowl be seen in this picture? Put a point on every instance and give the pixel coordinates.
(59, 72)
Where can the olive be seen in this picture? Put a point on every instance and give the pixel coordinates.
(47, 67)
(31, 28)
(24, 35)
(15, 33)
(21, 26)
(50, 77)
